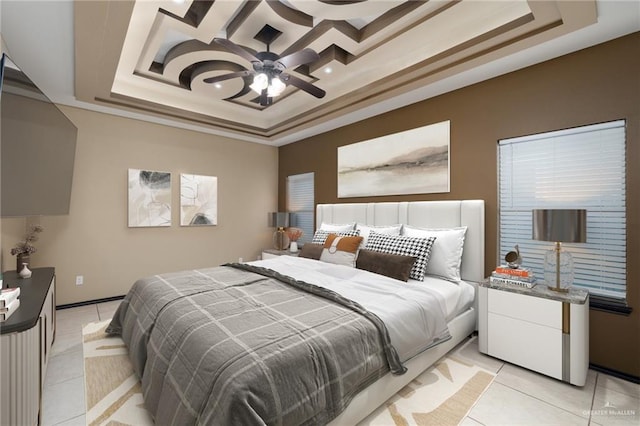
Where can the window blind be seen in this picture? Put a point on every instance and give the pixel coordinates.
(301, 202)
(581, 168)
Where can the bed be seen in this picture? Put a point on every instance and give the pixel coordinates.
(277, 320)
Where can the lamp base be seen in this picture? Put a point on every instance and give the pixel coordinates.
(558, 269)
(280, 239)
(559, 289)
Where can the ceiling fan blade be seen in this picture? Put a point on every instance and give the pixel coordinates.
(303, 85)
(234, 48)
(229, 76)
(301, 57)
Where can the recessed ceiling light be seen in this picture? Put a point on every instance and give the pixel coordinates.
(328, 70)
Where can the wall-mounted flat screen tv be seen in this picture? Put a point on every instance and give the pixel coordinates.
(38, 146)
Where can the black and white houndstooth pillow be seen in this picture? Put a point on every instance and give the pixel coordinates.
(321, 236)
(420, 248)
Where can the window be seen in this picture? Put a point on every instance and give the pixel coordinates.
(583, 168)
(301, 202)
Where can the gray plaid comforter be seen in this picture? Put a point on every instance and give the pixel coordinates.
(232, 345)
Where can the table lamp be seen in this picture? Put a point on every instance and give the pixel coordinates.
(279, 220)
(559, 226)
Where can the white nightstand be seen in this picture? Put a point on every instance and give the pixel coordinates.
(536, 328)
(270, 253)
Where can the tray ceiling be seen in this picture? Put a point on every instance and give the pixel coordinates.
(153, 56)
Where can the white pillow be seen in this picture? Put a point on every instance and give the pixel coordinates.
(337, 227)
(446, 254)
(387, 230)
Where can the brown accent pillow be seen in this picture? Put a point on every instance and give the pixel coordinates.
(311, 251)
(391, 265)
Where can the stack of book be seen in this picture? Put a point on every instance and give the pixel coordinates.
(521, 277)
(9, 302)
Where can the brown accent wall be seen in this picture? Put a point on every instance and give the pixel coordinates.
(594, 85)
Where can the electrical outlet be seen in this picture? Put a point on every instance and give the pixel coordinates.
(79, 280)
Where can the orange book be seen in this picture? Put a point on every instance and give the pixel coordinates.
(520, 272)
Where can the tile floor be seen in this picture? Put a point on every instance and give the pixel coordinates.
(516, 396)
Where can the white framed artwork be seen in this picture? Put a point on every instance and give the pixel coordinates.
(411, 162)
(198, 200)
(149, 198)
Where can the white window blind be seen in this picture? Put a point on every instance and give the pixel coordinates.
(577, 168)
(301, 202)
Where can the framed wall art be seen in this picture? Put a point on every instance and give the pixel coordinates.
(198, 200)
(149, 198)
(411, 162)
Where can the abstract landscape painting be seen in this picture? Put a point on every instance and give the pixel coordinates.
(412, 162)
(198, 200)
(149, 198)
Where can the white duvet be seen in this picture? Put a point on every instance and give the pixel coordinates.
(415, 313)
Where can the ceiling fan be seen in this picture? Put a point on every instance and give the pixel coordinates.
(268, 70)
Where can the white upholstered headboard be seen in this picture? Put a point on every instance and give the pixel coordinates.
(423, 214)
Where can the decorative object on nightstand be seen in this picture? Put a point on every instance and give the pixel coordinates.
(513, 273)
(294, 234)
(279, 220)
(513, 258)
(559, 226)
(521, 277)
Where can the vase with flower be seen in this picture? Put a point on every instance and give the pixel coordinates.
(25, 248)
(294, 234)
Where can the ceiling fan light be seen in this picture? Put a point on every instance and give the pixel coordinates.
(276, 87)
(260, 82)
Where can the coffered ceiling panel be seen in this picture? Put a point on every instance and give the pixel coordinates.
(157, 57)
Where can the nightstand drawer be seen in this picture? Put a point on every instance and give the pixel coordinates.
(536, 310)
(524, 343)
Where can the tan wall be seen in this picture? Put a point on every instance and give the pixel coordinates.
(594, 85)
(94, 240)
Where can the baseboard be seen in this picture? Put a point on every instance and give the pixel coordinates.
(89, 302)
(615, 373)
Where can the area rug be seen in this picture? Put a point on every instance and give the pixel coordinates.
(442, 395)
(113, 394)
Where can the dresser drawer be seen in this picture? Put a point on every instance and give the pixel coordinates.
(536, 310)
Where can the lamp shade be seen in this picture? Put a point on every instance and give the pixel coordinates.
(260, 82)
(279, 219)
(558, 225)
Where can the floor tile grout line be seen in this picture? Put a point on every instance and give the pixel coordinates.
(75, 417)
(67, 351)
(593, 397)
(48, 385)
(543, 401)
(475, 420)
(621, 391)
